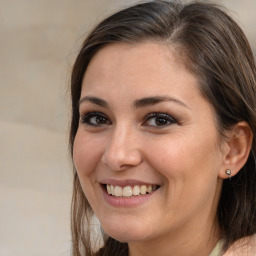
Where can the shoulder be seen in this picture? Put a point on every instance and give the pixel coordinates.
(243, 247)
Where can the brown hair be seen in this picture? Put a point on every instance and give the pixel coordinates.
(215, 49)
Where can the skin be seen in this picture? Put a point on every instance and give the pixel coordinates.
(183, 156)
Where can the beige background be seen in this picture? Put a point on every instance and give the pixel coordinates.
(38, 42)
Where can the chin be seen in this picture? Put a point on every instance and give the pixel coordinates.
(126, 237)
(126, 232)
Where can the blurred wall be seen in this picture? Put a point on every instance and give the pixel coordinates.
(38, 42)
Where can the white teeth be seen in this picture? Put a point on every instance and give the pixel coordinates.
(136, 190)
(112, 189)
(143, 189)
(118, 191)
(129, 191)
(149, 189)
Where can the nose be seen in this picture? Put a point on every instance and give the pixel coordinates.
(123, 150)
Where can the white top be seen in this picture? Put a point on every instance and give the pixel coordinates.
(242, 247)
(217, 251)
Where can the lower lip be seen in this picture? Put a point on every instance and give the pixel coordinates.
(126, 201)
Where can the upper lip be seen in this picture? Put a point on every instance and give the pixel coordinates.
(126, 182)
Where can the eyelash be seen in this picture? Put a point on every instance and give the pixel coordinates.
(165, 118)
(86, 119)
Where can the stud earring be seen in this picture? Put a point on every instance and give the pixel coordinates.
(228, 172)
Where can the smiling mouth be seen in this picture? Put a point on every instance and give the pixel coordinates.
(130, 191)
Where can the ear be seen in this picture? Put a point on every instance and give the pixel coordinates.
(238, 146)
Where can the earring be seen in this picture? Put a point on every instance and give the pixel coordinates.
(228, 172)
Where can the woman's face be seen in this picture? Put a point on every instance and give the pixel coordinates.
(147, 151)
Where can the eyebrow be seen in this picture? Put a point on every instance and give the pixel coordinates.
(94, 100)
(148, 101)
(140, 103)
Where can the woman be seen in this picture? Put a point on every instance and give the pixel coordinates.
(162, 134)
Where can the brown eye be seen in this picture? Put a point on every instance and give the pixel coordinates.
(98, 120)
(95, 119)
(159, 120)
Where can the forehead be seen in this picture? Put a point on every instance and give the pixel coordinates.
(141, 66)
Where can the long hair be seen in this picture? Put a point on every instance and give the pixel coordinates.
(213, 47)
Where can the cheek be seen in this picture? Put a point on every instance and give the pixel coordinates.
(185, 158)
(86, 154)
